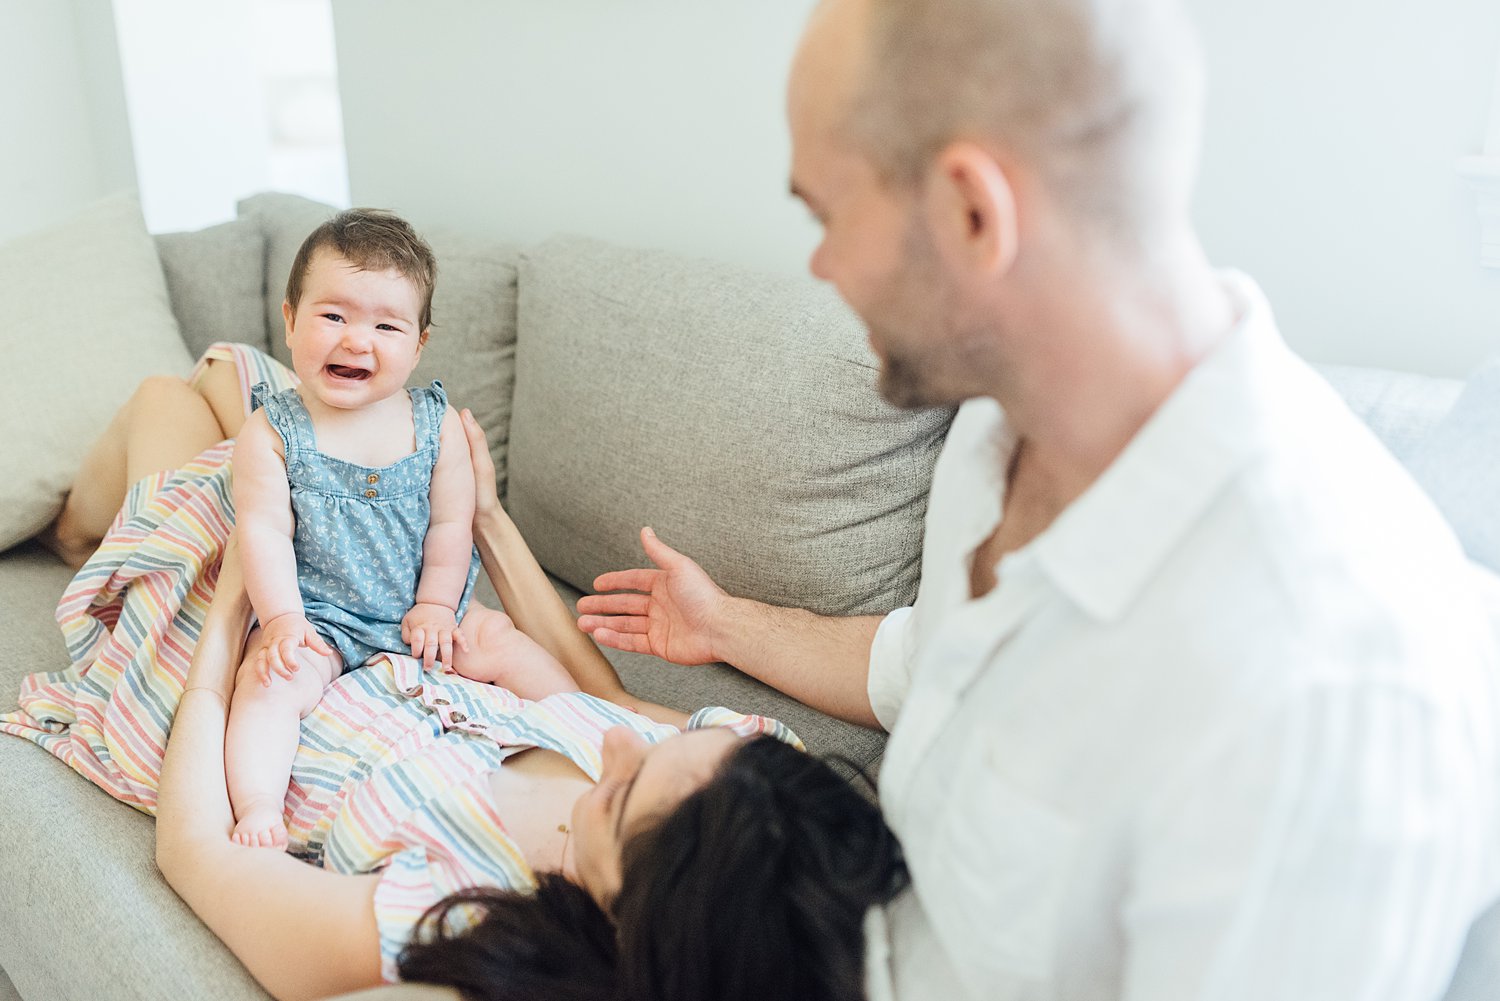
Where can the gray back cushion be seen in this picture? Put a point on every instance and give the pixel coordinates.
(216, 278)
(1400, 407)
(734, 412)
(473, 342)
(1457, 465)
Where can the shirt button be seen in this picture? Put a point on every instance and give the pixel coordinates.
(373, 478)
(370, 493)
(459, 718)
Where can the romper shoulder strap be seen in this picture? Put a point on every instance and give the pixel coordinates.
(288, 417)
(428, 405)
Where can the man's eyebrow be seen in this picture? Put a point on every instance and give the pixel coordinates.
(624, 797)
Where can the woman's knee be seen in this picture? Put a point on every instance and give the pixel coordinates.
(156, 390)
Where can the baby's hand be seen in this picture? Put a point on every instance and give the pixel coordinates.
(280, 639)
(432, 631)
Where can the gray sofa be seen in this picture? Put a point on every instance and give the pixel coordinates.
(733, 412)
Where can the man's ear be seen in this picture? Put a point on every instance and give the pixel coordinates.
(973, 205)
(287, 316)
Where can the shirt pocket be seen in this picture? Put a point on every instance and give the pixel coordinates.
(1002, 867)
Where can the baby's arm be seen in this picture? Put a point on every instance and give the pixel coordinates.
(430, 627)
(263, 517)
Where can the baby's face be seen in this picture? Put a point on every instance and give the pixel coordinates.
(355, 336)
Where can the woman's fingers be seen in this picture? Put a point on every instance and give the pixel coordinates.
(626, 580)
(479, 458)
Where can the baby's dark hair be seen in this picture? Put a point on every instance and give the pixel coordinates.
(754, 887)
(371, 240)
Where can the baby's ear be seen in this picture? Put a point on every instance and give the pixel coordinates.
(422, 338)
(286, 316)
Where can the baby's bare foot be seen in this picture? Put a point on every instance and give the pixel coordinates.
(260, 826)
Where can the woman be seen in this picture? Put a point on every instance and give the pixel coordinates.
(692, 865)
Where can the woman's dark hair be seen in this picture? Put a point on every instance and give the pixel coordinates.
(755, 886)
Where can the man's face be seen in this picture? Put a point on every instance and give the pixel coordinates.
(875, 249)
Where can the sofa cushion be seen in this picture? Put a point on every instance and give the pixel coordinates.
(216, 278)
(78, 867)
(734, 412)
(1456, 464)
(284, 222)
(473, 342)
(89, 318)
(1400, 407)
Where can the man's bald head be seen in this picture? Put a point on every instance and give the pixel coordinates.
(1102, 98)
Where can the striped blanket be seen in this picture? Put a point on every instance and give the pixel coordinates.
(132, 615)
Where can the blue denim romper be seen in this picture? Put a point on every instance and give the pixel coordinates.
(359, 531)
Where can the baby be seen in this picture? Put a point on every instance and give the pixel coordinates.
(354, 501)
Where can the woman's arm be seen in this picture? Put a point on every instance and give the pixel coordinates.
(302, 932)
(528, 596)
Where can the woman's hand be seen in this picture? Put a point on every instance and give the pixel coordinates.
(672, 617)
(486, 498)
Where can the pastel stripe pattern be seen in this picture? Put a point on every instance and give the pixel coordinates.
(391, 774)
(132, 616)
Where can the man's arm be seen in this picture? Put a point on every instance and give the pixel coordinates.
(679, 614)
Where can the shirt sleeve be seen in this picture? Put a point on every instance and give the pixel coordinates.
(1337, 848)
(890, 666)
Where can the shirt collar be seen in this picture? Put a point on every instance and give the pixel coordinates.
(1105, 546)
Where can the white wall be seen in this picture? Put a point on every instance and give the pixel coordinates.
(197, 113)
(1330, 173)
(65, 141)
(652, 122)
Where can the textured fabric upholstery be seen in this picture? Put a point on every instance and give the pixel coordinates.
(216, 278)
(87, 318)
(87, 914)
(735, 413)
(1400, 407)
(1456, 464)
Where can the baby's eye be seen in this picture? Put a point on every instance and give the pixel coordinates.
(387, 326)
(336, 318)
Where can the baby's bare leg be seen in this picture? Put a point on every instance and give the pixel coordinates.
(501, 654)
(261, 740)
(163, 425)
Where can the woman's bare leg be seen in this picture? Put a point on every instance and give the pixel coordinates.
(219, 385)
(162, 426)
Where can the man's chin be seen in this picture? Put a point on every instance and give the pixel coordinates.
(900, 386)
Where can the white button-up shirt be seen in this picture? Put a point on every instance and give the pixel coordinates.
(1226, 729)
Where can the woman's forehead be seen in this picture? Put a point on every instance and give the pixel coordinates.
(679, 765)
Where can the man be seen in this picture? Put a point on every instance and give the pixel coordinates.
(1197, 699)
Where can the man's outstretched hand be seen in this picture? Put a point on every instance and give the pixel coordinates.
(669, 612)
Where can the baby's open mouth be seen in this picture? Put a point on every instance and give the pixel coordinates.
(347, 372)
